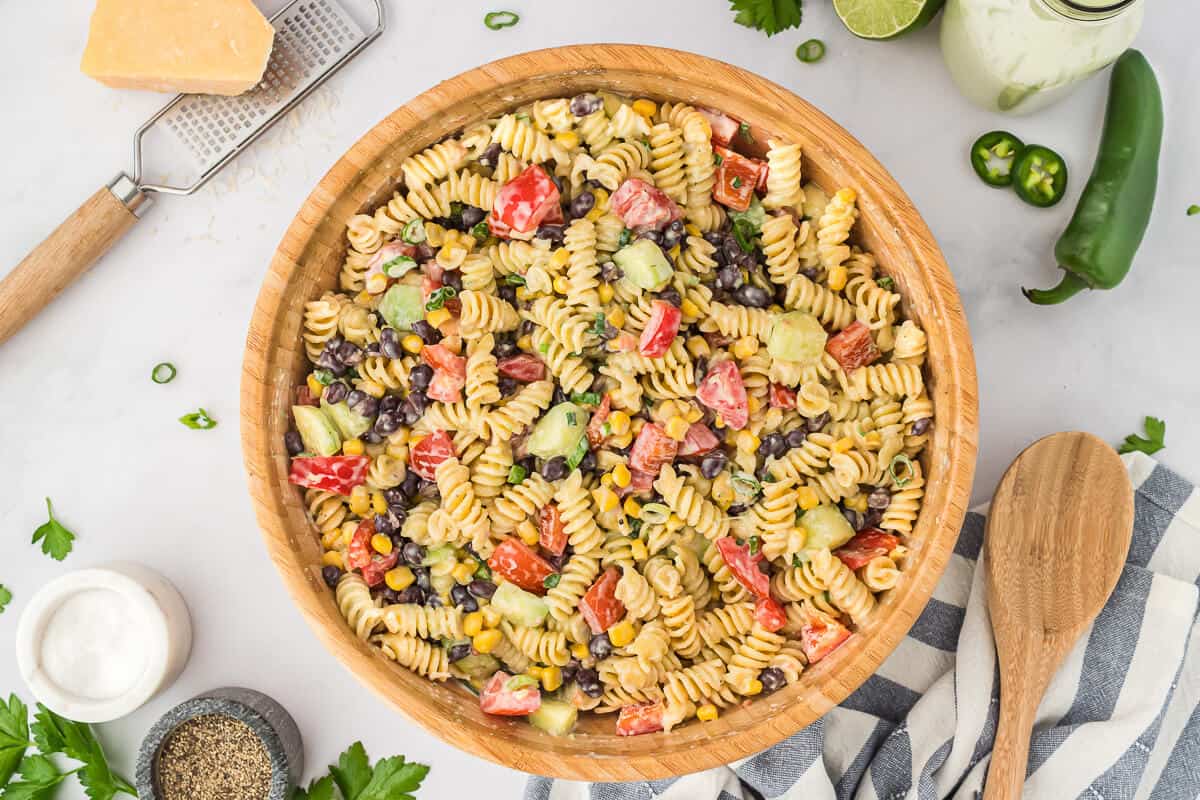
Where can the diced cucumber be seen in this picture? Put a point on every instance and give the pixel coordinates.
(402, 305)
(317, 431)
(350, 423)
(613, 102)
(478, 665)
(519, 606)
(644, 264)
(827, 527)
(436, 555)
(558, 432)
(797, 336)
(554, 717)
(755, 215)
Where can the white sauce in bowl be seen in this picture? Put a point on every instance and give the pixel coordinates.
(94, 645)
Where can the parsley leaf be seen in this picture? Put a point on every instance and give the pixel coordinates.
(56, 540)
(1152, 442)
(317, 790)
(390, 779)
(353, 771)
(39, 777)
(768, 16)
(394, 779)
(5, 597)
(14, 736)
(55, 734)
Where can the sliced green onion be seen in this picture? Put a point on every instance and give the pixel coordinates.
(514, 280)
(481, 230)
(598, 324)
(717, 159)
(414, 232)
(811, 52)
(544, 347)
(571, 420)
(324, 376)
(797, 561)
(744, 130)
(581, 450)
(198, 420)
(586, 398)
(518, 682)
(1193, 210)
(517, 474)
(551, 580)
(163, 373)
(483, 572)
(655, 513)
(737, 182)
(635, 525)
(754, 543)
(886, 282)
(745, 232)
(624, 238)
(398, 266)
(439, 297)
(745, 484)
(903, 478)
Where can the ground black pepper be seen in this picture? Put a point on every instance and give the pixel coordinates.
(213, 757)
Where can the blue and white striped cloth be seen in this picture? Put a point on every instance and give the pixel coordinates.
(1121, 719)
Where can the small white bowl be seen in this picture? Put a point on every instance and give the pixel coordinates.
(129, 635)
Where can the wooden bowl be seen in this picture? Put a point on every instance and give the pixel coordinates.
(308, 261)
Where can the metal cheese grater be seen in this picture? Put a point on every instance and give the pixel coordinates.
(313, 40)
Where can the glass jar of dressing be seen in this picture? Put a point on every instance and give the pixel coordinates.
(1017, 56)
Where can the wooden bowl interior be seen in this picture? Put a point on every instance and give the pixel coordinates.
(308, 263)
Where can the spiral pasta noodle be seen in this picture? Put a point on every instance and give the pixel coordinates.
(355, 602)
(845, 591)
(410, 619)
(432, 165)
(834, 228)
(576, 578)
(415, 654)
(784, 190)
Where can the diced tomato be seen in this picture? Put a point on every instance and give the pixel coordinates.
(358, 552)
(600, 607)
(853, 347)
(595, 428)
(430, 284)
(769, 614)
(513, 560)
(439, 356)
(641, 205)
(375, 569)
(723, 391)
(304, 397)
(782, 397)
(524, 202)
(445, 387)
(737, 178)
(821, 634)
(744, 566)
(624, 343)
(525, 367)
(765, 173)
(338, 474)
(639, 719)
(724, 127)
(496, 698)
(552, 534)
(652, 449)
(425, 456)
(554, 216)
(660, 329)
(699, 441)
(639, 482)
(867, 544)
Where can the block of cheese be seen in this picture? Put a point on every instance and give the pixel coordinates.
(195, 46)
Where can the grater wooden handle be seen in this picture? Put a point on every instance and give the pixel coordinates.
(66, 254)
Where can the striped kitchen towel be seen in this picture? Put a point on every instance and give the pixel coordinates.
(1121, 718)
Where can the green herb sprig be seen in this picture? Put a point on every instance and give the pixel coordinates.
(199, 420)
(56, 540)
(390, 779)
(438, 298)
(769, 16)
(5, 597)
(1154, 440)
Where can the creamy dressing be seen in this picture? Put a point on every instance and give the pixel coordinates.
(94, 645)
(1019, 55)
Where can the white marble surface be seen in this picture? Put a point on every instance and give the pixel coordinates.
(83, 423)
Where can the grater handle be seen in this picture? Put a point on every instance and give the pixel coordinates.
(68, 252)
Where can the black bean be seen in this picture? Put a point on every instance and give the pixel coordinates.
(600, 646)
(384, 524)
(880, 498)
(764, 567)
(432, 600)
(355, 397)
(372, 349)
(293, 443)
(422, 576)
(652, 235)
(586, 103)
(762, 473)
(818, 422)
(472, 216)
(729, 278)
(390, 404)
(772, 679)
(529, 464)
(420, 377)
(335, 392)
(712, 464)
(452, 278)
(715, 238)
(795, 438)
(588, 464)
(810, 272)
(588, 681)
(410, 412)
(505, 347)
(669, 239)
(736, 510)
(349, 354)
(373, 437)
(922, 426)
(489, 156)
(584, 202)
(413, 554)
(701, 367)
(387, 423)
(368, 406)
(555, 469)
(410, 485)
(570, 670)
(558, 561)
(507, 293)
(671, 295)
(610, 272)
(331, 575)
(329, 360)
(854, 518)
(458, 652)
(553, 233)
(394, 496)
(481, 588)
(428, 333)
(334, 343)
(773, 444)
(610, 332)
(387, 595)
(389, 343)
(753, 296)
(461, 597)
(508, 386)
(872, 518)
(559, 396)
(428, 491)
(528, 326)
(732, 250)
(413, 594)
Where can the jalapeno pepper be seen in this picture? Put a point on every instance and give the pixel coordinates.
(1097, 248)
(1039, 176)
(993, 155)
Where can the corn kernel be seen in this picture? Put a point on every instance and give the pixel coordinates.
(464, 573)
(674, 253)
(688, 308)
(523, 293)
(381, 543)
(645, 107)
(378, 503)
(363, 298)
(415, 439)
(693, 414)
(606, 293)
(412, 343)
(486, 641)
(399, 579)
(580, 651)
(377, 283)
(639, 550)
(473, 623)
(707, 712)
(525, 342)
(621, 634)
(616, 317)
(621, 475)
(618, 422)
(601, 196)
(722, 490)
(753, 404)
(719, 421)
(606, 479)
(693, 229)
(632, 508)
(677, 428)
(360, 501)
(621, 441)
(837, 278)
(754, 687)
(534, 672)
(333, 558)
(528, 532)
(747, 442)
(561, 285)
(636, 424)
(856, 503)
(745, 347)
(352, 447)
(436, 318)
(560, 258)
(846, 195)
(314, 387)
(675, 521)
(698, 347)
(843, 445)
(606, 499)
(595, 214)
(491, 617)
(568, 139)
(551, 678)
(807, 499)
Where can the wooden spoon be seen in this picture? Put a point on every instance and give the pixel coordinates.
(1057, 537)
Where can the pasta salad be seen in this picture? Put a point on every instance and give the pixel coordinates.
(609, 416)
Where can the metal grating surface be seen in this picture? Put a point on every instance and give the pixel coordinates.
(309, 35)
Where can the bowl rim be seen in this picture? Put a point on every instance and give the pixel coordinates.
(599, 758)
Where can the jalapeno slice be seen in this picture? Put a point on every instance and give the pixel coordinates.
(1040, 176)
(993, 155)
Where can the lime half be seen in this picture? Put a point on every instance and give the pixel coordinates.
(885, 19)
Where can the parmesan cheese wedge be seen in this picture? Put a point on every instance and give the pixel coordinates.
(192, 46)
